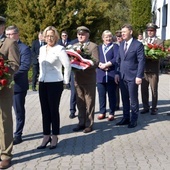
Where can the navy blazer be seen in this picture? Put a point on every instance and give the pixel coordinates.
(111, 56)
(35, 51)
(131, 64)
(60, 42)
(21, 76)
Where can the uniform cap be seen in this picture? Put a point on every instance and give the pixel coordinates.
(118, 33)
(82, 29)
(2, 20)
(151, 26)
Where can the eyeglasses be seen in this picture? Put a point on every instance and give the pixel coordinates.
(49, 36)
(64, 35)
(10, 34)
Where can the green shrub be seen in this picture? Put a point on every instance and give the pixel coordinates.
(167, 43)
(30, 75)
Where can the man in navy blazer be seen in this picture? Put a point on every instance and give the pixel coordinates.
(36, 44)
(64, 41)
(21, 82)
(130, 71)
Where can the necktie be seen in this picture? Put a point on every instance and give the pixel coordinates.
(150, 41)
(81, 46)
(125, 48)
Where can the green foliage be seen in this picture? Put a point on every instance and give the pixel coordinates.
(31, 16)
(3, 6)
(167, 43)
(140, 14)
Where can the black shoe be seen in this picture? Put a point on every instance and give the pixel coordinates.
(78, 128)
(123, 122)
(34, 89)
(144, 111)
(44, 146)
(132, 124)
(53, 146)
(154, 111)
(72, 116)
(17, 140)
(87, 130)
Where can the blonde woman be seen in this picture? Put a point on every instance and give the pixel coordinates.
(51, 59)
(105, 75)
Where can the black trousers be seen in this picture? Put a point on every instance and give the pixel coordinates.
(50, 94)
(73, 94)
(35, 69)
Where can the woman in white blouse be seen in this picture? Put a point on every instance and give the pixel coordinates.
(51, 59)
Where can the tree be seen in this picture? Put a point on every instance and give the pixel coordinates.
(117, 14)
(32, 16)
(140, 14)
(3, 6)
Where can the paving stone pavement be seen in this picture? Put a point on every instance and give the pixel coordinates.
(108, 147)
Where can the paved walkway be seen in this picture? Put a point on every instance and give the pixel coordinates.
(108, 147)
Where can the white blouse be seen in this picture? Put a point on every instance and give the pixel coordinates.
(51, 63)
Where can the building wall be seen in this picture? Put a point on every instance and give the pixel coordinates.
(161, 17)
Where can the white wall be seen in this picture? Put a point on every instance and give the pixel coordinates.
(158, 6)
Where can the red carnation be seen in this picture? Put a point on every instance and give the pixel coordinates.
(1, 73)
(6, 69)
(3, 82)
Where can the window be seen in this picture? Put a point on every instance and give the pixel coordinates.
(164, 15)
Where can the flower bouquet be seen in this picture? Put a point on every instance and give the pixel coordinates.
(154, 51)
(79, 58)
(5, 76)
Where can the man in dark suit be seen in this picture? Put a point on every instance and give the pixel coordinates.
(36, 44)
(64, 41)
(151, 74)
(130, 67)
(9, 50)
(21, 82)
(85, 83)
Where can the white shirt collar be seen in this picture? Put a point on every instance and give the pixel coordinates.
(128, 42)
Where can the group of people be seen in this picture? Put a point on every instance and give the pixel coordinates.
(121, 64)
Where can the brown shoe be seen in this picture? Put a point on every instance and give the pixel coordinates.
(87, 130)
(101, 116)
(110, 118)
(5, 164)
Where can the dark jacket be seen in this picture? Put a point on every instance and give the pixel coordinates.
(60, 42)
(21, 76)
(131, 64)
(111, 56)
(35, 51)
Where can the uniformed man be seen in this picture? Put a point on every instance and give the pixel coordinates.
(85, 83)
(10, 51)
(151, 75)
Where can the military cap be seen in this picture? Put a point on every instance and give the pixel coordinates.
(2, 20)
(151, 26)
(82, 29)
(118, 33)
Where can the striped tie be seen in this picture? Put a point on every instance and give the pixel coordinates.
(125, 49)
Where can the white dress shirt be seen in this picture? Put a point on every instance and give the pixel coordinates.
(51, 64)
